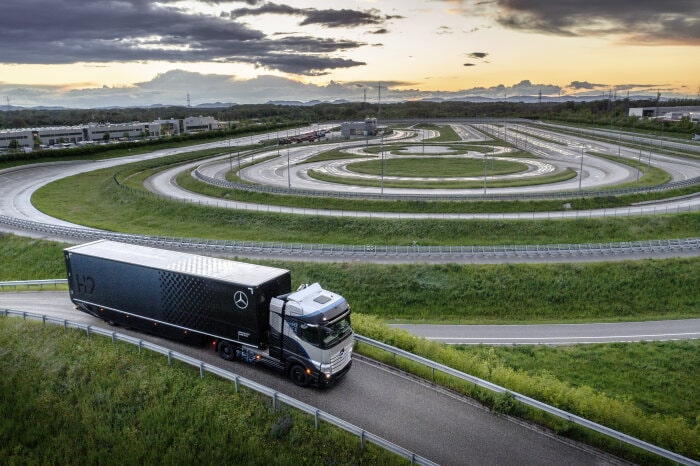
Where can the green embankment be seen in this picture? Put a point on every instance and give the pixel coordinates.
(650, 289)
(72, 399)
(95, 200)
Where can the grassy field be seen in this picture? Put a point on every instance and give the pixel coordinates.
(577, 378)
(435, 167)
(641, 406)
(468, 294)
(657, 376)
(417, 183)
(70, 399)
(512, 293)
(93, 199)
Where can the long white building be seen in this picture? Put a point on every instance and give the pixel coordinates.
(67, 136)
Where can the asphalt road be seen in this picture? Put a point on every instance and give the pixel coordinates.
(438, 425)
(557, 334)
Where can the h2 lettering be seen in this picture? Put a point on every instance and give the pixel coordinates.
(85, 284)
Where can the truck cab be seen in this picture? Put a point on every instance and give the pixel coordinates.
(310, 330)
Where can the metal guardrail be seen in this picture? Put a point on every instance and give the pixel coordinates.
(375, 251)
(619, 436)
(239, 381)
(443, 197)
(34, 283)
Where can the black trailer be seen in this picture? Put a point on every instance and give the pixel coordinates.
(175, 294)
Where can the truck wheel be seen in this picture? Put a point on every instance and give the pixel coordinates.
(298, 375)
(226, 351)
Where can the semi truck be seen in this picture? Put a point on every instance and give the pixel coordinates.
(244, 311)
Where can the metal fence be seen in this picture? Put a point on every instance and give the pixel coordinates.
(514, 252)
(40, 284)
(444, 197)
(239, 381)
(435, 366)
(619, 436)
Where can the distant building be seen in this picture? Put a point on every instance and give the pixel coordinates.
(359, 128)
(66, 136)
(199, 124)
(667, 113)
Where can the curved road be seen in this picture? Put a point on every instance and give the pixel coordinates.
(370, 396)
(439, 425)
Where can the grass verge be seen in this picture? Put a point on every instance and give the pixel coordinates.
(70, 399)
(625, 412)
(93, 199)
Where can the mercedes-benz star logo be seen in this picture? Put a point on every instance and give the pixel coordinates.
(240, 299)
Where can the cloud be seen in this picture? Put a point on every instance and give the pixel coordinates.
(585, 85)
(650, 22)
(328, 18)
(478, 55)
(173, 87)
(470, 64)
(74, 31)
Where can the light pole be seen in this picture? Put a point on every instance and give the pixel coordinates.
(382, 169)
(289, 173)
(580, 175)
(639, 159)
(486, 167)
(230, 162)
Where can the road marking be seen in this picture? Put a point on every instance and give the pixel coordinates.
(573, 337)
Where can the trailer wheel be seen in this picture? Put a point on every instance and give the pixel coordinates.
(226, 351)
(298, 375)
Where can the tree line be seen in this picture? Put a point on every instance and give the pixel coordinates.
(598, 112)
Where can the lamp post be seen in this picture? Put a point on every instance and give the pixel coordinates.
(486, 167)
(382, 169)
(580, 174)
(289, 173)
(639, 159)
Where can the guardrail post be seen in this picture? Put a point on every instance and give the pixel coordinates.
(87, 330)
(274, 401)
(235, 383)
(114, 336)
(43, 320)
(170, 358)
(201, 370)
(362, 440)
(140, 345)
(316, 419)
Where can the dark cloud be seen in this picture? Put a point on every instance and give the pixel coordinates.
(72, 31)
(578, 85)
(345, 18)
(329, 18)
(478, 55)
(634, 21)
(470, 64)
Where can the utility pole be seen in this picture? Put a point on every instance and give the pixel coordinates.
(379, 102)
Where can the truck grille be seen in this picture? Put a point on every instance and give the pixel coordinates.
(341, 358)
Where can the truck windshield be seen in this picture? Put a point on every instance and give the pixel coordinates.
(326, 336)
(336, 331)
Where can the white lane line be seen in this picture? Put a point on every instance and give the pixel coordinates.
(572, 337)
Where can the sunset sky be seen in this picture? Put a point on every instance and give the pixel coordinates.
(126, 52)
